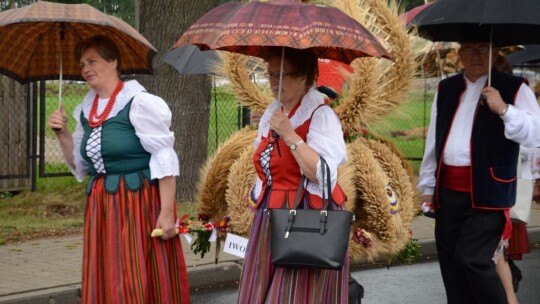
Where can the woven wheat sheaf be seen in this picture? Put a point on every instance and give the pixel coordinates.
(377, 179)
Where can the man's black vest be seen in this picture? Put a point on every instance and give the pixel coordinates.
(493, 157)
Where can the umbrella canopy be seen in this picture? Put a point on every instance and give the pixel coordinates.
(247, 28)
(189, 60)
(38, 41)
(410, 14)
(508, 22)
(529, 55)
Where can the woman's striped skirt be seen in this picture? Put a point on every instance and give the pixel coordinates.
(122, 263)
(518, 244)
(261, 282)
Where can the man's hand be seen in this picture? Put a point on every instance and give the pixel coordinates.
(494, 101)
(427, 198)
(536, 191)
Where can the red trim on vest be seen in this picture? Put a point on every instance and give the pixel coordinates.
(441, 157)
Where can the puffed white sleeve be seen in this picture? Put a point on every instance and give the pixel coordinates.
(81, 166)
(522, 120)
(426, 180)
(325, 136)
(151, 118)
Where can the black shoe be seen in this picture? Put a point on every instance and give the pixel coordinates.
(356, 291)
(516, 274)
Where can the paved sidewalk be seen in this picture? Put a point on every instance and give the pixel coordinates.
(49, 270)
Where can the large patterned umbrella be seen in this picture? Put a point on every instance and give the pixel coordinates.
(38, 41)
(248, 28)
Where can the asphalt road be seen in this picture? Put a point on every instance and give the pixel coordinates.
(419, 283)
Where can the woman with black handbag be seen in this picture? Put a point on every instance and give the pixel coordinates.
(295, 131)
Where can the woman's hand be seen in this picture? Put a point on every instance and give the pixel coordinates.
(58, 121)
(166, 218)
(166, 222)
(280, 123)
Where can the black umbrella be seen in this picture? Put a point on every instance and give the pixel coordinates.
(511, 22)
(189, 60)
(529, 55)
(502, 22)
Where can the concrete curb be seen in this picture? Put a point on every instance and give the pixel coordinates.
(63, 294)
(207, 276)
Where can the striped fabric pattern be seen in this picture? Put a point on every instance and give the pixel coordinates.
(261, 282)
(518, 243)
(249, 27)
(122, 263)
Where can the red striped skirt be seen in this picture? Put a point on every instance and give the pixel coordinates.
(121, 262)
(262, 282)
(518, 243)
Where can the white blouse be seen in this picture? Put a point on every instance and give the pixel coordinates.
(325, 136)
(151, 118)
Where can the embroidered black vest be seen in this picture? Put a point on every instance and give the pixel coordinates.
(493, 157)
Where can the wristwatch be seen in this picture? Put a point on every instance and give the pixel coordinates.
(295, 145)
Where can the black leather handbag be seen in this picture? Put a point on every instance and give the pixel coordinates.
(310, 237)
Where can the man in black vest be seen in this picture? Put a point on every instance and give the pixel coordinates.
(469, 170)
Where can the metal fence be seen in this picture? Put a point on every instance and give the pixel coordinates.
(406, 128)
(15, 135)
(29, 149)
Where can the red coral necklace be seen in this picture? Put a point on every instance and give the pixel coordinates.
(95, 120)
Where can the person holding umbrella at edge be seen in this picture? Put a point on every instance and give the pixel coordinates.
(469, 168)
(123, 141)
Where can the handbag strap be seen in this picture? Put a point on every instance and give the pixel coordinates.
(326, 179)
(325, 170)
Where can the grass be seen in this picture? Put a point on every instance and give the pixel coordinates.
(225, 117)
(407, 125)
(57, 207)
(72, 95)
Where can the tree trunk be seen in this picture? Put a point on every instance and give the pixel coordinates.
(162, 23)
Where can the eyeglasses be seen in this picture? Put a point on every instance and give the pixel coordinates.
(480, 51)
(275, 76)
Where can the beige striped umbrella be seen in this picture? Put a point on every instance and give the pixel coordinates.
(38, 41)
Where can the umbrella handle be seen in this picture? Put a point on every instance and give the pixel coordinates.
(60, 83)
(490, 54)
(62, 32)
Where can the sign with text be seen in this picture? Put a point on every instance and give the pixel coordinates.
(235, 245)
